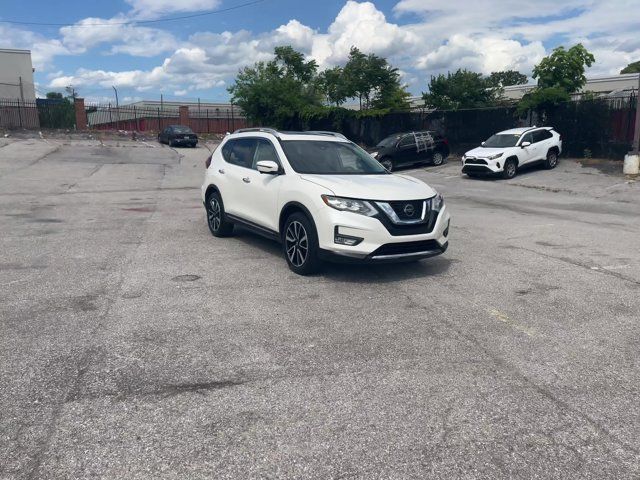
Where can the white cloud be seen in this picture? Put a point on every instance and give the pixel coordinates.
(129, 39)
(146, 9)
(482, 54)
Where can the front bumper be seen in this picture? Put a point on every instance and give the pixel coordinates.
(378, 245)
(483, 165)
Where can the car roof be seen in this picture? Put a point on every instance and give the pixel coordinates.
(521, 130)
(312, 135)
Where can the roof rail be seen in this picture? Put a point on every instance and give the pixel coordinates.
(325, 132)
(258, 129)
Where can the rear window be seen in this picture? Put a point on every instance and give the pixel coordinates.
(181, 129)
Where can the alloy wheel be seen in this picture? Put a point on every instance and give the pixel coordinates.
(296, 243)
(214, 214)
(437, 158)
(511, 169)
(553, 160)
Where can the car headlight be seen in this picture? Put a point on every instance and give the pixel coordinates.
(350, 205)
(437, 202)
(493, 157)
(374, 154)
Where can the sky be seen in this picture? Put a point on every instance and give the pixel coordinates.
(200, 56)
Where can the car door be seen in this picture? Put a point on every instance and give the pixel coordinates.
(526, 154)
(543, 139)
(261, 191)
(238, 156)
(407, 151)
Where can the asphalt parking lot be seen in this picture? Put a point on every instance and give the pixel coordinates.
(135, 345)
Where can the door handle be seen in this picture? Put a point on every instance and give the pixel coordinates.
(221, 171)
(246, 180)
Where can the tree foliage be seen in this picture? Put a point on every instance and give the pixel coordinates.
(507, 78)
(564, 68)
(270, 92)
(273, 92)
(633, 67)
(461, 89)
(371, 80)
(559, 75)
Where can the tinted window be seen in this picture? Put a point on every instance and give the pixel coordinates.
(540, 135)
(240, 151)
(181, 129)
(390, 141)
(265, 151)
(407, 140)
(502, 141)
(527, 138)
(330, 158)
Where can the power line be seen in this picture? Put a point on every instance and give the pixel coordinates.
(136, 22)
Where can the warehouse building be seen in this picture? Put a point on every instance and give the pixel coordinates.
(16, 75)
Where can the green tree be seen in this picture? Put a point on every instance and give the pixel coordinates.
(54, 95)
(564, 68)
(271, 93)
(374, 82)
(633, 67)
(559, 75)
(333, 85)
(506, 78)
(461, 89)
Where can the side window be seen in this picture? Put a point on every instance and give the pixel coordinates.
(541, 135)
(240, 152)
(265, 151)
(406, 141)
(527, 138)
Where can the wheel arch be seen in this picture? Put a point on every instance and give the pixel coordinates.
(290, 208)
(513, 157)
(210, 189)
(554, 149)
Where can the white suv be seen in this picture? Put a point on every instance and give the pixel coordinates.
(507, 151)
(323, 197)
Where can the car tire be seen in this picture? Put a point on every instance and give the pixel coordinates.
(510, 169)
(437, 159)
(217, 221)
(387, 163)
(552, 160)
(300, 244)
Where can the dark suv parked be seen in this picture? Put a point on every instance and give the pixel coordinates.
(410, 148)
(175, 135)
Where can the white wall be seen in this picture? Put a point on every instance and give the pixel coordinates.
(13, 65)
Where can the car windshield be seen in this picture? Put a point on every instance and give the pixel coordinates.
(502, 140)
(390, 141)
(330, 158)
(181, 129)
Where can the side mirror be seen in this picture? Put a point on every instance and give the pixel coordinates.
(525, 144)
(269, 167)
(482, 144)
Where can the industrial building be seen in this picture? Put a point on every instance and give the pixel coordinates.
(613, 85)
(16, 75)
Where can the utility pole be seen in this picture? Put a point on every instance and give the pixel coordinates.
(117, 107)
(636, 136)
(21, 90)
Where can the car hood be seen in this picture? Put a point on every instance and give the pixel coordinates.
(373, 187)
(485, 152)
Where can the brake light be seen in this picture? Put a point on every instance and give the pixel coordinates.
(208, 162)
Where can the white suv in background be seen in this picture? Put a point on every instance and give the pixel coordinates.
(323, 197)
(507, 151)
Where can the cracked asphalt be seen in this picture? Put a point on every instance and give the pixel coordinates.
(135, 345)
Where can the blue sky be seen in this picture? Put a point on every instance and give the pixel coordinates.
(199, 57)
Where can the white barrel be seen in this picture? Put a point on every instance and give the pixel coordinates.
(631, 165)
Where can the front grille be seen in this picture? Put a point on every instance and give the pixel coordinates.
(408, 210)
(406, 248)
(475, 161)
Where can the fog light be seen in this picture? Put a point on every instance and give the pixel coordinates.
(446, 230)
(347, 240)
(498, 164)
